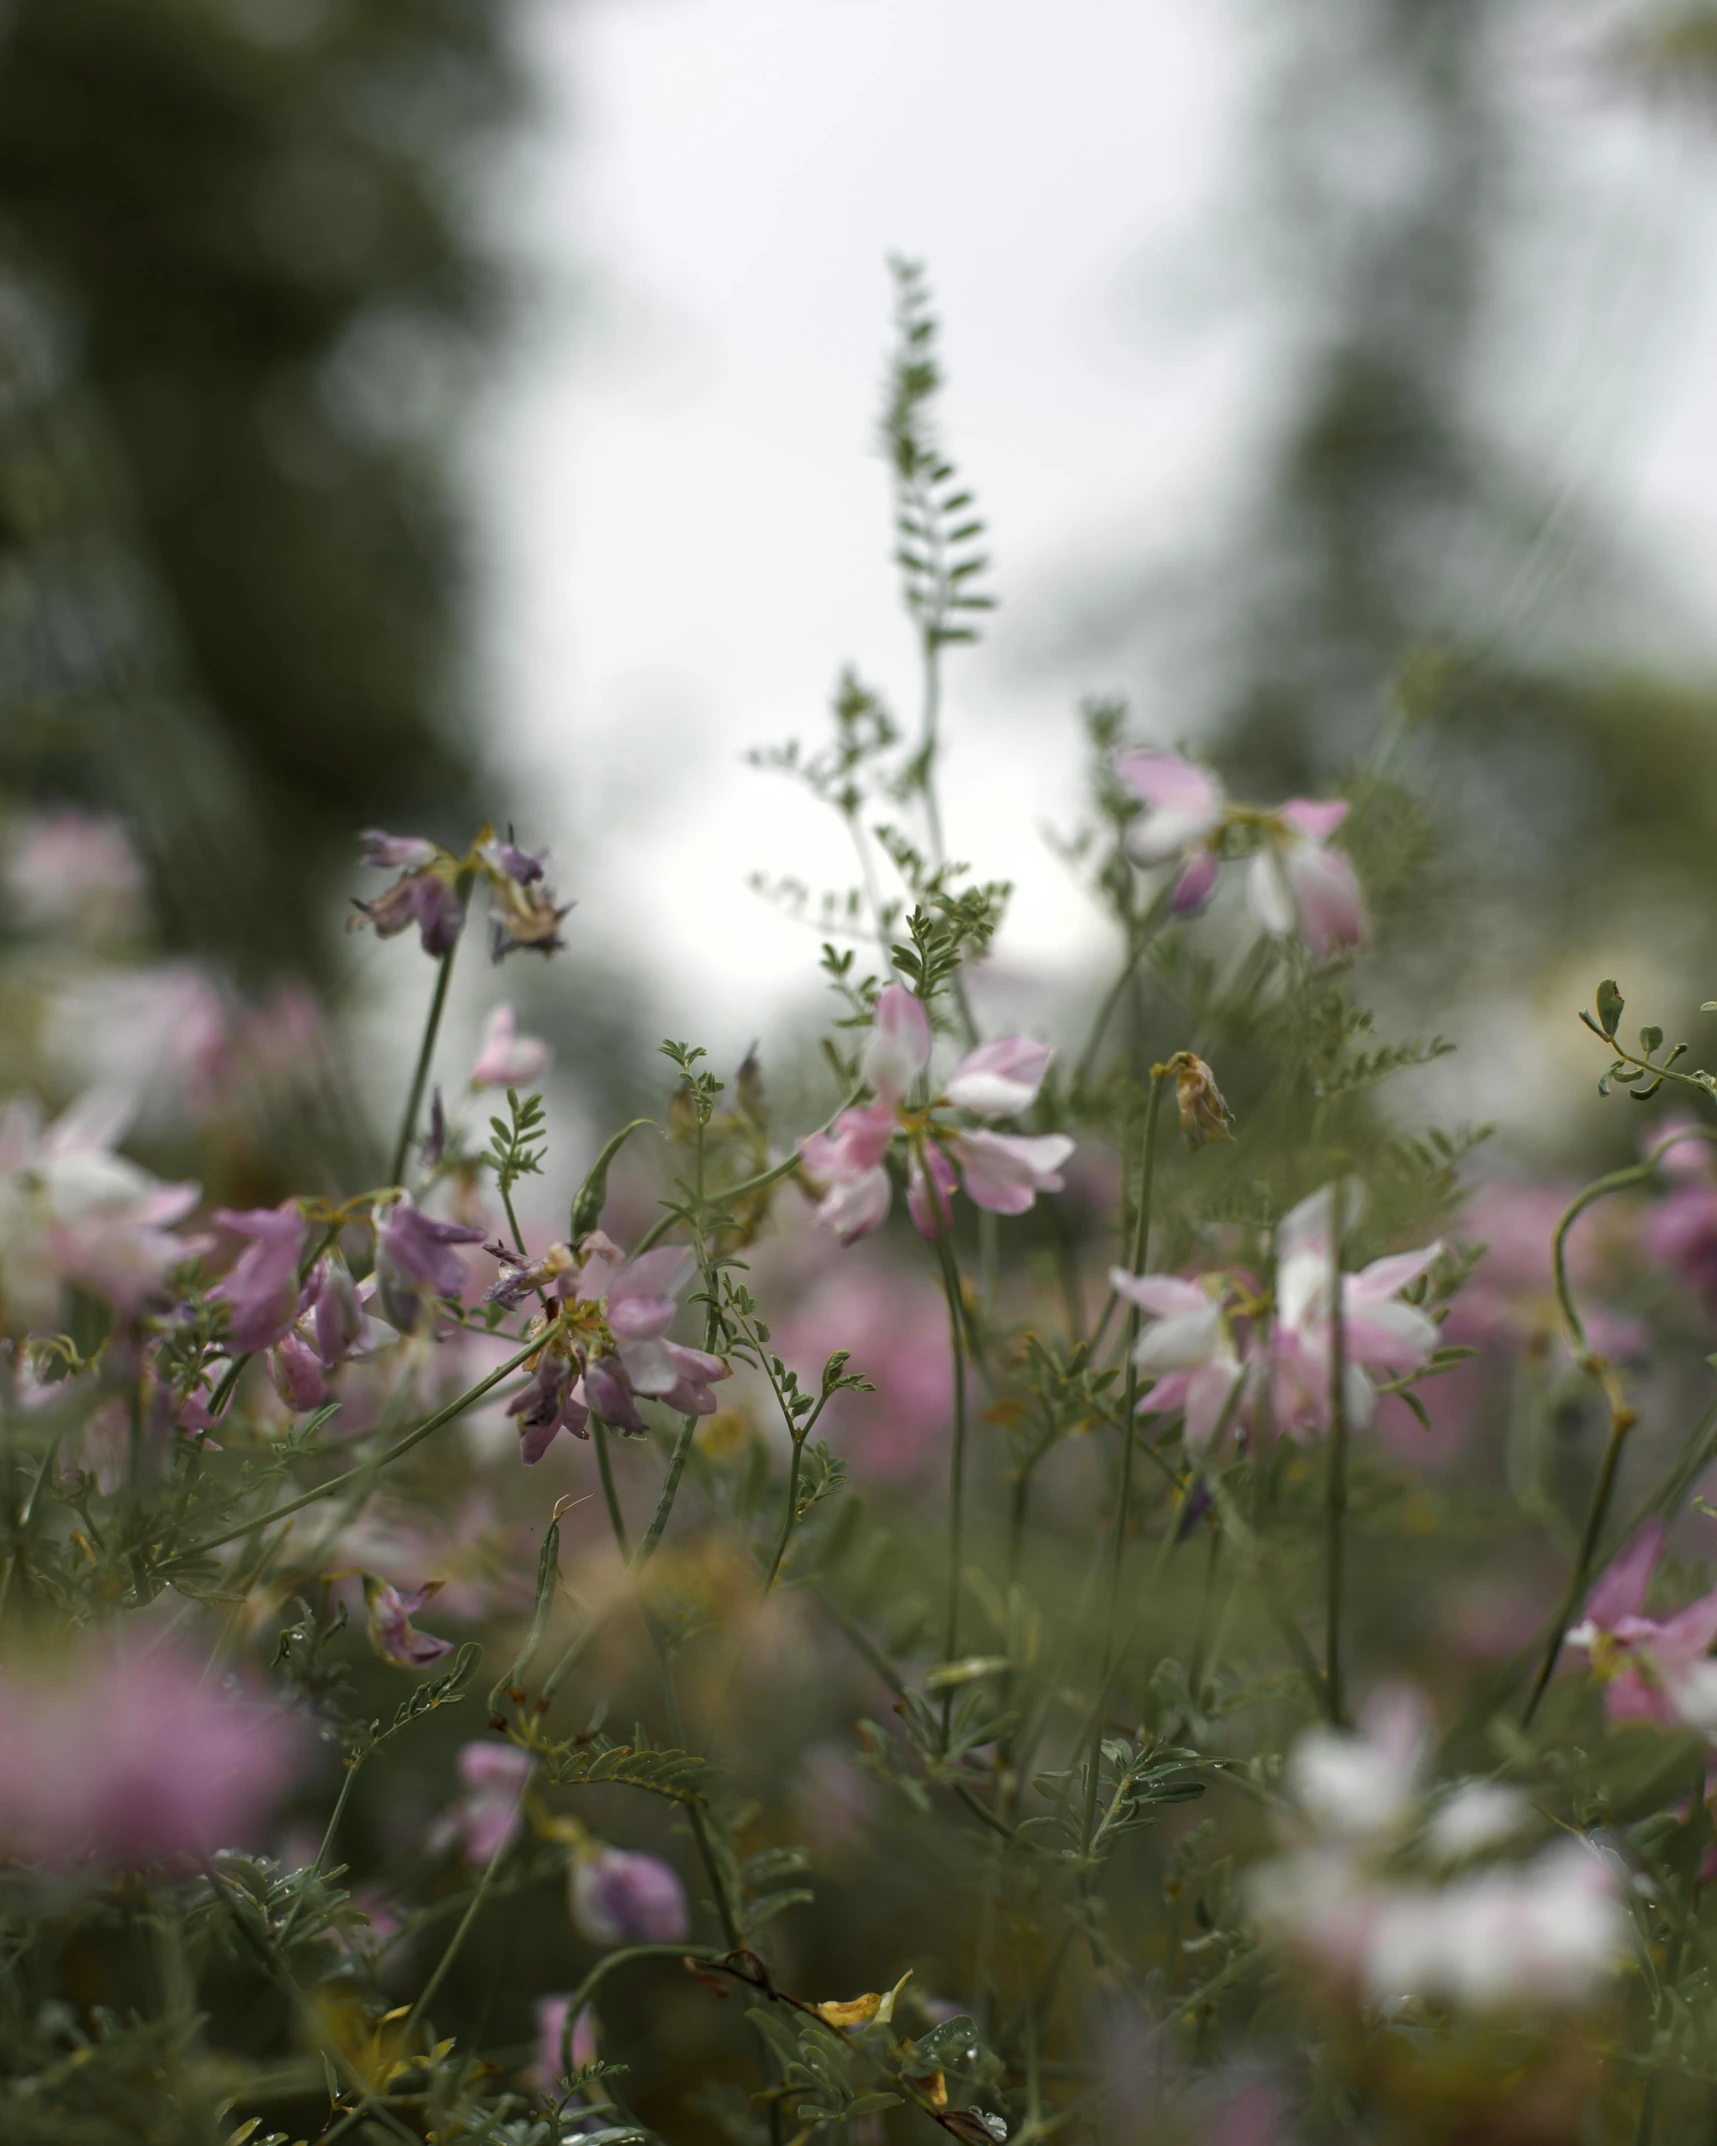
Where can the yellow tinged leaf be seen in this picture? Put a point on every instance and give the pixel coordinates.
(936, 2092)
(851, 2011)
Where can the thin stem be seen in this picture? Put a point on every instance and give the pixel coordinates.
(788, 1516)
(747, 1185)
(491, 1870)
(1335, 1513)
(426, 1052)
(1620, 1426)
(373, 1467)
(956, 1455)
(1141, 1252)
(610, 1496)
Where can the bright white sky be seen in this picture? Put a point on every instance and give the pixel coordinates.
(687, 524)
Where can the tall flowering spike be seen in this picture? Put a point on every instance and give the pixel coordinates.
(389, 1611)
(998, 1080)
(898, 1048)
(1184, 805)
(261, 1292)
(505, 1059)
(415, 1258)
(424, 894)
(621, 1898)
(1297, 883)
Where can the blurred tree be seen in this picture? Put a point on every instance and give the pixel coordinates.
(242, 296)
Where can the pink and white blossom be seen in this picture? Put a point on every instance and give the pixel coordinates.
(1380, 1333)
(505, 1059)
(388, 1612)
(1295, 882)
(1184, 805)
(1652, 1669)
(1188, 1350)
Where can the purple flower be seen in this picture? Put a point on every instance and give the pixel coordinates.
(558, 2053)
(486, 1818)
(337, 1315)
(552, 1400)
(415, 1258)
(389, 1611)
(424, 895)
(261, 1292)
(134, 1761)
(505, 1059)
(296, 1370)
(618, 1897)
(524, 906)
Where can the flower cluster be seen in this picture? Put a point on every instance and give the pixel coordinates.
(430, 893)
(848, 1165)
(1294, 882)
(605, 1319)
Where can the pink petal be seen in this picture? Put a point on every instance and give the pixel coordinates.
(1316, 819)
(930, 1184)
(1162, 1295)
(857, 1206)
(1195, 886)
(998, 1079)
(898, 1048)
(1331, 914)
(1208, 1391)
(1006, 1171)
(1622, 1589)
(1185, 803)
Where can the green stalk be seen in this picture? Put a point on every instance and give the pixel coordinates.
(610, 1496)
(1141, 1251)
(1336, 1480)
(956, 1456)
(426, 1050)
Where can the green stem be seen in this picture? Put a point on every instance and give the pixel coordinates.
(490, 1872)
(956, 1456)
(1141, 1252)
(788, 1516)
(747, 1185)
(365, 1468)
(1335, 1514)
(426, 1051)
(610, 1496)
(1619, 1427)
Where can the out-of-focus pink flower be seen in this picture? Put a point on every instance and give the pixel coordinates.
(1296, 882)
(1363, 1783)
(1001, 1171)
(555, 2046)
(389, 1611)
(619, 1897)
(415, 1258)
(896, 1329)
(71, 869)
(1184, 805)
(163, 1033)
(1680, 1230)
(71, 1210)
(1381, 1333)
(119, 1762)
(1188, 1349)
(261, 1292)
(505, 1059)
(1651, 1671)
(487, 1817)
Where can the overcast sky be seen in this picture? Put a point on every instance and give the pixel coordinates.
(686, 522)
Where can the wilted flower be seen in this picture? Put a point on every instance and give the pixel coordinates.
(1380, 1332)
(505, 1059)
(487, 1817)
(124, 1761)
(425, 894)
(261, 1292)
(1189, 1349)
(71, 1210)
(415, 1258)
(1204, 1115)
(1001, 1171)
(389, 1610)
(613, 1346)
(1651, 1670)
(525, 914)
(619, 1897)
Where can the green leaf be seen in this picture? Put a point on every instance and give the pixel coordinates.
(1649, 1039)
(593, 1193)
(1610, 1004)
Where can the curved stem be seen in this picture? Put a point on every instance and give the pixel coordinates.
(426, 1051)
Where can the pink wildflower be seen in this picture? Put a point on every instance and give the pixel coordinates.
(1188, 1350)
(389, 1611)
(558, 2053)
(1380, 1332)
(1184, 806)
(486, 1818)
(619, 1897)
(69, 868)
(424, 895)
(122, 1762)
(1651, 1670)
(1001, 1171)
(261, 1292)
(415, 1258)
(1296, 881)
(505, 1059)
